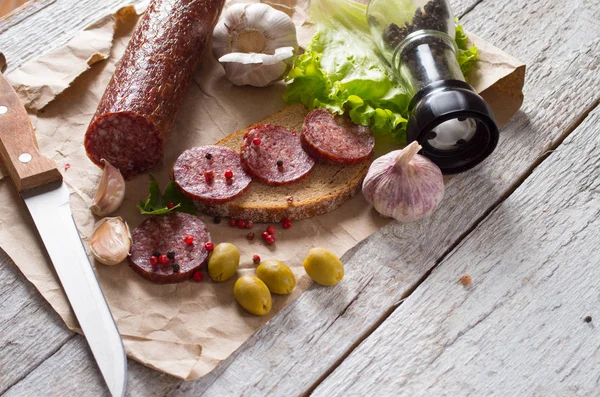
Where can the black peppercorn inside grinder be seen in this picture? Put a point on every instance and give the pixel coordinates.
(453, 124)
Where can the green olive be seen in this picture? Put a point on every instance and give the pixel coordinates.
(253, 295)
(323, 266)
(223, 262)
(277, 276)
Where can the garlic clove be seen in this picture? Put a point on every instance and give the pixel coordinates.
(404, 185)
(281, 54)
(111, 191)
(255, 75)
(111, 241)
(254, 43)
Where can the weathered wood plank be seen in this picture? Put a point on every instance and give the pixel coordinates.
(8, 7)
(80, 365)
(30, 331)
(31, 31)
(294, 350)
(74, 360)
(519, 329)
(48, 25)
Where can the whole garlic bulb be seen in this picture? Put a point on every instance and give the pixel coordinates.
(253, 42)
(404, 185)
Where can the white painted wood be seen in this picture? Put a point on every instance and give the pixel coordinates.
(35, 332)
(48, 25)
(78, 365)
(74, 360)
(17, 15)
(298, 347)
(30, 331)
(519, 329)
(8, 6)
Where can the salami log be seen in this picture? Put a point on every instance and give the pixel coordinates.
(137, 111)
(274, 155)
(335, 139)
(167, 233)
(213, 174)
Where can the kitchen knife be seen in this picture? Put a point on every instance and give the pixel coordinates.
(41, 185)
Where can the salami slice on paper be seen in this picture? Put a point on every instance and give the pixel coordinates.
(202, 174)
(335, 139)
(274, 155)
(165, 233)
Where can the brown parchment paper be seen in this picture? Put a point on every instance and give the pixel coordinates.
(185, 329)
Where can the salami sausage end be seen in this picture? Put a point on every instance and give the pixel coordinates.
(128, 141)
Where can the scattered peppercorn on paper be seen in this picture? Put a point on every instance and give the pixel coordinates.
(183, 329)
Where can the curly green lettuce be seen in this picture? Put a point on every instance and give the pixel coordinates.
(467, 55)
(341, 70)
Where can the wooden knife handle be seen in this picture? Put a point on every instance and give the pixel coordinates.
(18, 146)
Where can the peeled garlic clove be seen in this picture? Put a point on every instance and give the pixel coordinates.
(254, 43)
(111, 191)
(111, 241)
(404, 185)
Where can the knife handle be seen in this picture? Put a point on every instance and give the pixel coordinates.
(27, 167)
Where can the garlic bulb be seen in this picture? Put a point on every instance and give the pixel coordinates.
(111, 191)
(111, 241)
(404, 185)
(253, 43)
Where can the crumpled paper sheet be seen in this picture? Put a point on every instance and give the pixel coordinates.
(184, 329)
(39, 82)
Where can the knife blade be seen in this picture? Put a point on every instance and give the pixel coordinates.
(47, 198)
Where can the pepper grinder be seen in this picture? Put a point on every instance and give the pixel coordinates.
(453, 124)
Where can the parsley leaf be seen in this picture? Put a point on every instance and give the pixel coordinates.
(156, 203)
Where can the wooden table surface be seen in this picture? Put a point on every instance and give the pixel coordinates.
(525, 225)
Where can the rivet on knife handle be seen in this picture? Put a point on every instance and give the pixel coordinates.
(18, 147)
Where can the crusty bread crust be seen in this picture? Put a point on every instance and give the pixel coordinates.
(326, 188)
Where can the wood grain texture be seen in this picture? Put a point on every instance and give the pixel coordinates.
(17, 138)
(30, 331)
(37, 28)
(518, 329)
(299, 346)
(43, 25)
(74, 359)
(81, 365)
(8, 6)
(294, 351)
(19, 14)
(48, 25)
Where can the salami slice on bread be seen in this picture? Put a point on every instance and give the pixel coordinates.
(326, 187)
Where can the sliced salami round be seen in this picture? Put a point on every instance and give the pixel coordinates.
(274, 155)
(335, 139)
(213, 174)
(167, 233)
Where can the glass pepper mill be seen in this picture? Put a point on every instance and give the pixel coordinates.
(453, 124)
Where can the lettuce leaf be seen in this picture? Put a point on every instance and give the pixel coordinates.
(467, 55)
(342, 70)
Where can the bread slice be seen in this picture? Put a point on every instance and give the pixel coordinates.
(326, 188)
